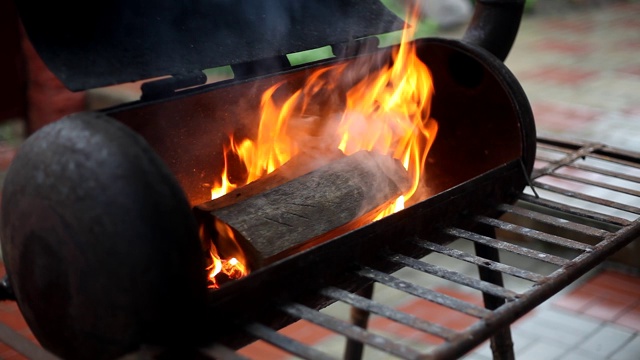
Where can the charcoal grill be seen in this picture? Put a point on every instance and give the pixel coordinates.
(469, 202)
(575, 240)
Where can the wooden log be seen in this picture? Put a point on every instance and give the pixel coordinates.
(307, 210)
(299, 165)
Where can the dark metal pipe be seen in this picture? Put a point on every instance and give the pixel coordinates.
(359, 317)
(494, 25)
(501, 341)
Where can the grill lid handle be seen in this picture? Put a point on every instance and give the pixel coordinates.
(494, 25)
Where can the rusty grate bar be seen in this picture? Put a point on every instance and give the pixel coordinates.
(371, 306)
(554, 165)
(587, 198)
(351, 331)
(555, 221)
(597, 170)
(296, 348)
(390, 313)
(424, 293)
(502, 245)
(566, 209)
(454, 276)
(489, 264)
(599, 184)
(534, 234)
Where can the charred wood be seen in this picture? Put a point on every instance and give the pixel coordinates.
(333, 199)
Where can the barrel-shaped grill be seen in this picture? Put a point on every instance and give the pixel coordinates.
(97, 207)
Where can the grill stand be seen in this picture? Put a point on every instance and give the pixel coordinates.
(501, 342)
(359, 317)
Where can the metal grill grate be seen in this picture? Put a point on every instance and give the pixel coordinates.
(583, 206)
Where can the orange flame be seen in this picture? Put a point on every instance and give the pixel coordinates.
(387, 111)
(234, 267)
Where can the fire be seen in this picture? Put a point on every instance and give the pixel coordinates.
(386, 109)
(233, 267)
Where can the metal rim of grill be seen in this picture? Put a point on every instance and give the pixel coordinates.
(587, 194)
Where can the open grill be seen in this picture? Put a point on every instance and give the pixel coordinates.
(577, 210)
(570, 227)
(576, 239)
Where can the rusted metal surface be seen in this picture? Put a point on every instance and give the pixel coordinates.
(351, 331)
(516, 249)
(359, 316)
(371, 306)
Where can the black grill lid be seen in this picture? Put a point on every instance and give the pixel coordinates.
(90, 44)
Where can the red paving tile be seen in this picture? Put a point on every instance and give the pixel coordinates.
(607, 309)
(10, 315)
(628, 24)
(611, 296)
(626, 45)
(563, 117)
(578, 300)
(391, 327)
(302, 331)
(617, 284)
(633, 111)
(264, 351)
(630, 69)
(433, 313)
(14, 320)
(568, 25)
(564, 47)
(11, 354)
(560, 75)
(631, 318)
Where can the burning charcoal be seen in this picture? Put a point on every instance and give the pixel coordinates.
(335, 198)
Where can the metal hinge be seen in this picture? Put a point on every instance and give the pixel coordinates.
(165, 87)
(355, 47)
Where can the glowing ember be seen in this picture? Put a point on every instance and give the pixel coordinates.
(386, 110)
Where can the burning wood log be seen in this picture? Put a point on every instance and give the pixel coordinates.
(297, 166)
(335, 198)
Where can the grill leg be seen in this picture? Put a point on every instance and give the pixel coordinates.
(360, 318)
(501, 342)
